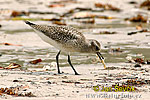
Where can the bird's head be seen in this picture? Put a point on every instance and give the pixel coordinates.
(94, 45)
(95, 48)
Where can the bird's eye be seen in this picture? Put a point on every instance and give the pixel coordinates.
(97, 48)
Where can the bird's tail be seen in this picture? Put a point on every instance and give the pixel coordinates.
(41, 28)
(29, 23)
(34, 26)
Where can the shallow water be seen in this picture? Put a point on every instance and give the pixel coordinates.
(16, 32)
(23, 54)
(47, 84)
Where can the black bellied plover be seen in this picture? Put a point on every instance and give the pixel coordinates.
(67, 39)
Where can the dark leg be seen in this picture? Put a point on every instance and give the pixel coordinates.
(57, 56)
(72, 66)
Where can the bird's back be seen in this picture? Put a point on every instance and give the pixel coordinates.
(61, 34)
(62, 37)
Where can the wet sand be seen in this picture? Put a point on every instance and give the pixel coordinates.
(47, 85)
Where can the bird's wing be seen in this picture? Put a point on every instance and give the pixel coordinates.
(58, 33)
(64, 33)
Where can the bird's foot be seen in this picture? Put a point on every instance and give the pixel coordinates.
(77, 74)
(59, 73)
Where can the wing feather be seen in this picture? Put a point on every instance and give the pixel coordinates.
(60, 33)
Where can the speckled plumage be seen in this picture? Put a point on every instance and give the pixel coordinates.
(60, 34)
(67, 39)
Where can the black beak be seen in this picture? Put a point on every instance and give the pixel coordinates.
(101, 58)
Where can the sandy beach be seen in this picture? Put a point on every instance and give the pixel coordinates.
(122, 28)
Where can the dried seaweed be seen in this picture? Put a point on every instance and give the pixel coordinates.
(11, 66)
(69, 81)
(59, 23)
(79, 10)
(35, 61)
(19, 13)
(138, 18)
(145, 4)
(114, 50)
(139, 60)
(135, 82)
(56, 5)
(107, 7)
(107, 32)
(9, 44)
(92, 21)
(141, 31)
(15, 91)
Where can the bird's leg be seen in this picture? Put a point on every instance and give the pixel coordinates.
(57, 57)
(71, 65)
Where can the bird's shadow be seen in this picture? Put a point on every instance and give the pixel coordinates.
(49, 73)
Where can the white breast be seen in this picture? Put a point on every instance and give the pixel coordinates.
(50, 41)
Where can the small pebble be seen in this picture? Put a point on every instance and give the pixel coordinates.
(48, 82)
(137, 65)
(15, 81)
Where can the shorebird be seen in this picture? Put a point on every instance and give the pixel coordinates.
(67, 39)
